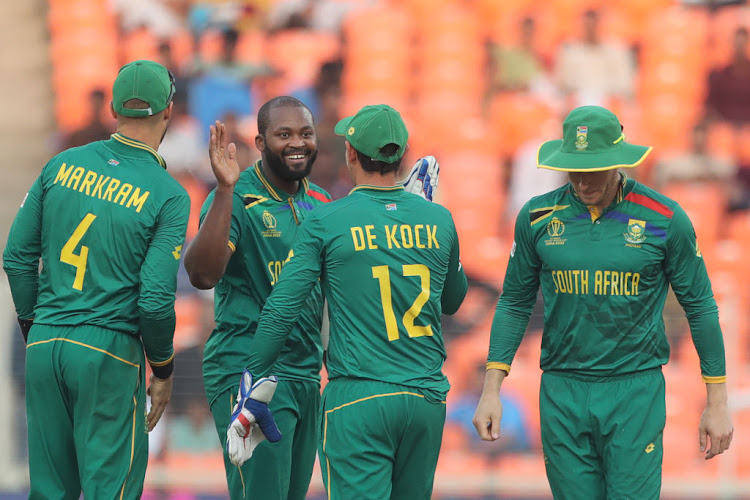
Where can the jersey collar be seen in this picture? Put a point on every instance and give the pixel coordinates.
(304, 184)
(369, 187)
(132, 143)
(622, 191)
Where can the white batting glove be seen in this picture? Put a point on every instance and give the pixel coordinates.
(423, 178)
(251, 421)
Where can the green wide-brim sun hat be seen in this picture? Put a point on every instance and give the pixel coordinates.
(592, 141)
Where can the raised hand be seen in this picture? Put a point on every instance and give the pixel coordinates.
(223, 156)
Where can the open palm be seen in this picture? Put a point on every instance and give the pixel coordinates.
(223, 156)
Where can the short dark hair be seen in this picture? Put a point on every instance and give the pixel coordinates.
(370, 165)
(284, 101)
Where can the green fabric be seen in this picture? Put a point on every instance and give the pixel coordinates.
(108, 223)
(385, 259)
(264, 225)
(599, 446)
(145, 80)
(592, 141)
(282, 470)
(372, 128)
(604, 284)
(379, 440)
(86, 405)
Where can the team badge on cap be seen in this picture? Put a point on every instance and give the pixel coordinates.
(582, 134)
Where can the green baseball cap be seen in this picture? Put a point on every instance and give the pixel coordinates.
(145, 80)
(592, 141)
(372, 128)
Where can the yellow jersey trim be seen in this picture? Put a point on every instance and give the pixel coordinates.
(551, 210)
(161, 363)
(118, 358)
(232, 246)
(266, 183)
(132, 448)
(498, 366)
(715, 380)
(140, 145)
(377, 188)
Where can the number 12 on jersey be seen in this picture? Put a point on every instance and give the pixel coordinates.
(383, 275)
(77, 260)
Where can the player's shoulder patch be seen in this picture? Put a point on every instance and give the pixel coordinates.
(318, 193)
(251, 200)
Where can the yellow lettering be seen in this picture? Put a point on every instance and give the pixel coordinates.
(358, 237)
(390, 236)
(615, 282)
(63, 174)
(627, 281)
(557, 288)
(407, 239)
(123, 193)
(270, 272)
(598, 283)
(87, 182)
(370, 237)
(561, 282)
(636, 281)
(416, 236)
(432, 236)
(575, 279)
(76, 177)
(607, 276)
(138, 199)
(99, 186)
(113, 184)
(585, 282)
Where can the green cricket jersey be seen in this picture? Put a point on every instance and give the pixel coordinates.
(108, 223)
(604, 280)
(265, 222)
(389, 264)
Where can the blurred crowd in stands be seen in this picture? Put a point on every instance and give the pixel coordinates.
(679, 81)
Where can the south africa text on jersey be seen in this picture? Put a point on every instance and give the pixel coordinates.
(577, 282)
(101, 186)
(395, 236)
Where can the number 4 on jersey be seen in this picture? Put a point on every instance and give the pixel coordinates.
(383, 275)
(77, 260)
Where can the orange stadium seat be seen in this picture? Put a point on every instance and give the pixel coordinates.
(300, 53)
(706, 205)
(515, 118)
(140, 43)
(723, 24)
(67, 16)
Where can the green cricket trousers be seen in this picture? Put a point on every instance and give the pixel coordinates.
(86, 405)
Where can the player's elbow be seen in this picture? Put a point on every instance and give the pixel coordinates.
(202, 280)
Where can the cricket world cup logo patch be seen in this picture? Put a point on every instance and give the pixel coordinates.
(555, 229)
(582, 137)
(270, 222)
(636, 233)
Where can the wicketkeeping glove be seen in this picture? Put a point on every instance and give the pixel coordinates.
(423, 178)
(251, 421)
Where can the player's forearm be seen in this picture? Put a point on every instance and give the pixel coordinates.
(508, 327)
(157, 335)
(716, 394)
(207, 255)
(454, 292)
(23, 288)
(709, 344)
(493, 380)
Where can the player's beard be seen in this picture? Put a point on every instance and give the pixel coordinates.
(278, 166)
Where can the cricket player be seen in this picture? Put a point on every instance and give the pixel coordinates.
(389, 265)
(108, 223)
(248, 224)
(604, 250)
